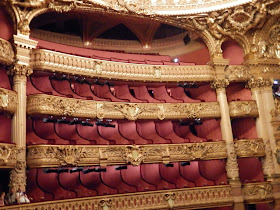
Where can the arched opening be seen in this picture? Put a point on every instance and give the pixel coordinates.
(233, 52)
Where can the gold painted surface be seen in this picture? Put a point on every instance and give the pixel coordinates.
(71, 64)
(8, 100)
(8, 155)
(60, 106)
(6, 52)
(199, 197)
(82, 155)
(257, 192)
(249, 148)
(237, 73)
(243, 109)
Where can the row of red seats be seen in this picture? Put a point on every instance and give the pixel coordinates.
(119, 93)
(4, 79)
(48, 186)
(124, 132)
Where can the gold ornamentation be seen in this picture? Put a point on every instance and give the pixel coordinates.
(219, 84)
(170, 198)
(250, 148)
(8, 155)
(238, 73)
(256, 192)
(276, 112)
(21, 71)
(6, 52)
(232, 165)
(8, 100)
(23, 27)
(186, 198)
(54, 105)
(259, 83)
(243, 109)
(82, 155)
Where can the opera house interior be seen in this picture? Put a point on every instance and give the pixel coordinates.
(139, 104)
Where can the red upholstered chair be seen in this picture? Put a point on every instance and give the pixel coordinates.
(32, 137)
(30, 89)
(71, 182)
(170, 63)
(113, 134)
(244, 128)
(160, 93)
(113, 179)
(165, 130)
(179, 93)
(5, 129)
(191, 173)
(122, 92)
(129, 131)
(105, 92)
(172, 175)
(203, 93)
(49, 183)
(141, 92)
(236, 91)
(150, 173)
(132, 176)
(92, 134)
(209, 129)
(184, 132)
(93, 181)
(213, 170)
(4, 79)
(253, 173)
(153, 62)
(68, 132)
(147, 130)
(32, 189)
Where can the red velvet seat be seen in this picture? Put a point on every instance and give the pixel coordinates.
(71, 182)
(170, 63)
(132, 176)
(203, 93)
(147, 130)
(165, 130)
(192, 174)
(213, 170)
(105, 92)
(93, 181)
(236, 91)
(122, 92)
(184, 132)
(32, 189)
(254, 173)
(179, 93)
(209, 129)
(160, 93)
(113, 179)
(5, 129)
(172, 175)
(150, 173)
(113, 134)
(141, 93)
(4, 79)
(152, 62)
(30, 89)
(68, 132)
(92, 134)
(128, 130)
(49, 183)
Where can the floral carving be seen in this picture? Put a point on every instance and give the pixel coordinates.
(237, 72)
(259, 83)
(250, 148)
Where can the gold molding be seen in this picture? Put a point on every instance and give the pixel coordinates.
(8, 100)
(8, 155)
(47, 60)
(249, 148)
(237, 73)
(243, 109)
(55, 105)
(84, 155)
(7, 54)
(187, 198)
(257, 192)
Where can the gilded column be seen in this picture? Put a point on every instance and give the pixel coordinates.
(20, 71)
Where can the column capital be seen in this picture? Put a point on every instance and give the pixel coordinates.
(260, 83)
(219, 84)
(21, 71)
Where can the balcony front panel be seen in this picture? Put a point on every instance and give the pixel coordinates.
(8, 100)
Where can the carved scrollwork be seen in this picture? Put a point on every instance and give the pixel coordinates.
(130, 111)
(20, 71)
(8, 100)
(70, 155)
(237, 73)
(8, 155)
(243, 109)
(250, 148)
(6, 52)
(134, 154)
(256, 192)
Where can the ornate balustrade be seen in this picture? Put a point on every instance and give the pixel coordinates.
(257, 192)
(54, 105)
(8, 155)
(6, 52)
(8, 100)
(71, 64)
(83, 155)
(250, 148)
(199, 197)
(243, 109)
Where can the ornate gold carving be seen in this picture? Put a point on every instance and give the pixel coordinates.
(238, 73)
(170, 198)
(6, 52)
(54, 105)
(259, 83)
(8, 100)
(70, 64)
(187, 198)
(243, 109)
(58, 155)
(219, 84)
(250, 148)
(21, 71)
(232, 165)
(276, 112)
(8, 155)
(257, 192)
(23, 27)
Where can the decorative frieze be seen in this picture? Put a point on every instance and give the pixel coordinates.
(7, 54)
(60, 106)
(82, 155)
(76, 65)
(8, 155)
(249, 148)
(187, 198)
(257, 192)
(8, 100)
(259, 83)
(243, 109)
